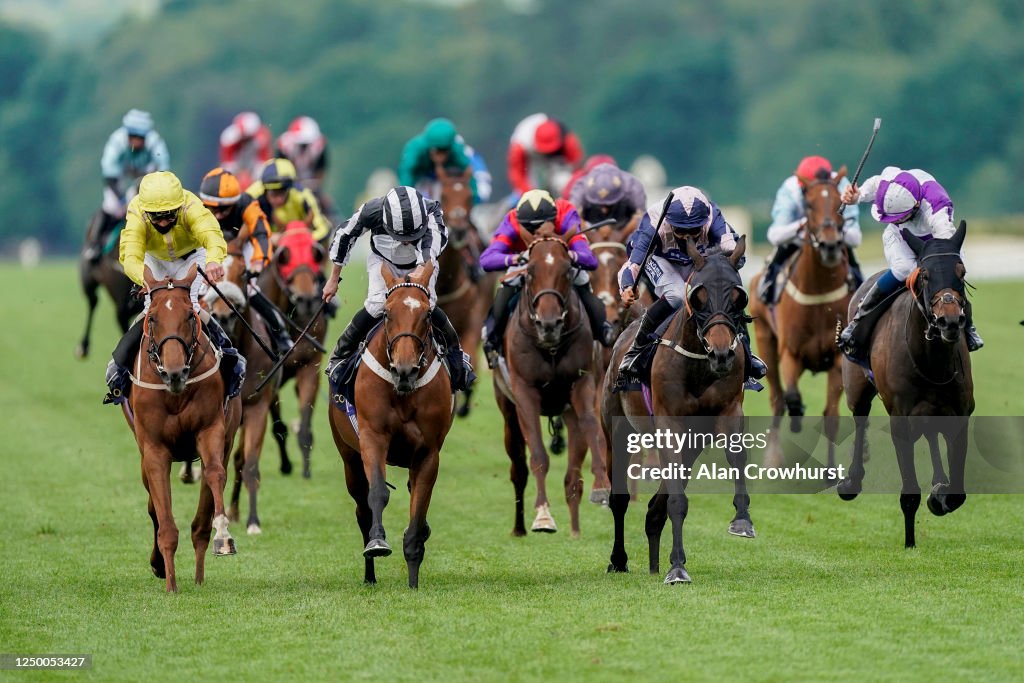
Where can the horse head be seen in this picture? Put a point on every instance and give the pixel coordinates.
(824, 229)
(233, 288)
(938, 284)
(715, 300)
(549, 277)
(407, 329)
(171, 318)
(297, 265)
(456, 196)
(609, 247)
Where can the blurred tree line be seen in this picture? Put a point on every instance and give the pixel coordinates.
(729, 95)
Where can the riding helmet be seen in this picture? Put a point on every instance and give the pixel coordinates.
(405, 214)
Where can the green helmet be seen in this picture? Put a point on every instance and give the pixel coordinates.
(439, 134)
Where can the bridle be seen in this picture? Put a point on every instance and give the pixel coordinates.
(531, 301)
(705, 321)
(828, 222)
(155, 347)
(930, 319)
(420, 341)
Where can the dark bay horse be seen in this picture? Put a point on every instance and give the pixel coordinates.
(550, 357)
(921, 370)
(107, 273)
(799, 335)
(177, 408)
(697, 370)
(464, 301)
(255, 405)
(292, 282)
(404, 406)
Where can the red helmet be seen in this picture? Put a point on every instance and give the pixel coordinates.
(549, 137)
(809, 167)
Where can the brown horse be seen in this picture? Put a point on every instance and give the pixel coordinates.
(464, 302)
(799, 334)
(255, 405)
(404, 414)
(550, 372)
(921, 369)
(107, 273)
(177, 408)
(298, 295)
(697, 370)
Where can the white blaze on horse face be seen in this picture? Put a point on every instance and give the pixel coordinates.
(168, 305)
(605, 257)
(549, 259)
(824, 193)
(412, 303)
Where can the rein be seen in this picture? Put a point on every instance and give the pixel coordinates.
(531, 304)
(930, 327)
(716, 318)
(378, 369)
(154, 348)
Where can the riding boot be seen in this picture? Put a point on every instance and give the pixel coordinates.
(603, 330)
(348, 342)
(855, 277)
(274, 320)
(653, 317)
(121, 360)
(232, 363)
(766, 289)
(117, 379)
(850, 341)
(462, 375)
(94, 252)
(753, 367)
(497, 321)
(974, 340)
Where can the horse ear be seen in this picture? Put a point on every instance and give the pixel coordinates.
(428, 271)
(318, 252)
(192, 272)
(283, 256)
(915, 243)
(840, 174)
(389, 275)
(960, 235)
(147, 277)
(694, 254)
(738, 252)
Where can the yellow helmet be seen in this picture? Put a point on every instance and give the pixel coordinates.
(278, 174)
(160, 191)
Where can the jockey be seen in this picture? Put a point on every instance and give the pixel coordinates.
(609, 192)
(789, 216)
(132, 151)
(690, 214)
(440, 143)
(535, 208)
(284, 200)
(244, 145)
(168, 230)
(589, 165)
(407, 231)
(542, 154)
(243, 222)
(306, 147)
(906, 200)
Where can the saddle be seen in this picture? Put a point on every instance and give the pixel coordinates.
(782, 276)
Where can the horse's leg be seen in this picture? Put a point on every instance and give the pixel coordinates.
(236, 488)
(528, 412)
(89, 288)
(255, 428)
(307, 381)
(947, 497)
(767, 347)
(156, 463)
(210, 443)
(619, 496)
(741, 524)
(280, 431)
(156, 558)
(573, 481)
(583, 398)
(359, 489)
(677, 505)
(834, 391)
(202, 525)
(515, 447)
(421, 479)
(791, 369)
(910, 493)
(859, 394)
(657, 515)
(374, 449)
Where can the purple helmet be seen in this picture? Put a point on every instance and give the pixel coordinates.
(604, 185)
(897, 199)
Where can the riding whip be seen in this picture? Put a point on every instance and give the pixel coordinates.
(259, 340)
(860, 166)
(650, 247)
(284, 356)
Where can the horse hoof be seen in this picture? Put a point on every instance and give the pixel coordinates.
(223, 547)
(233, 514)
(677, 575)
(463, 410)
(796, 424)
(306, 472)
(377, 547)
(186, 475)
(743, 528)
(519, 533)
(848, 489)
(942, 503)
(286, 467)
(253, 530)
(600, 496)
(544, 522)
(614, 569)
(81, 352)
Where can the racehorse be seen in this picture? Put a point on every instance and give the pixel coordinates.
(404, 406)
(292, 283)
(177, 408)
(464, 301)
(255, 405)
(798, 335)
(921, 369)
(550, 360)
(697, 370)
(107, 273)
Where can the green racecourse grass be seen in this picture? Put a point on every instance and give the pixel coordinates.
(825, 592)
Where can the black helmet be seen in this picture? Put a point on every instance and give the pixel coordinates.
(278, 174)
(405, 214)
(535, 208)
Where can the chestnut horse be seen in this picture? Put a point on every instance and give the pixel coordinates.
(298, 296)
(921, 369)
(464, 302)
(697, 370)
(799, 334)
(404, 406)
(107, 273)
(255, 405)
(177, 408)
(550, 357)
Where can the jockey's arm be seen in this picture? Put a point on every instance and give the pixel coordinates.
(411, 155)
(206, 230)
(517, 168)
(314, 216)
(256, 231)
(787, 217)
(133, 248)
(500, 253)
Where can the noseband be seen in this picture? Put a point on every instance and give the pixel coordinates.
(712, 319)
(154, 348)
(391, 341)
(532, 301)
(931, 328)
(828, 222)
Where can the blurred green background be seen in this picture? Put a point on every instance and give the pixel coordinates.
(729, 95)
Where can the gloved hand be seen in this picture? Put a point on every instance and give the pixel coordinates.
(112, 205)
